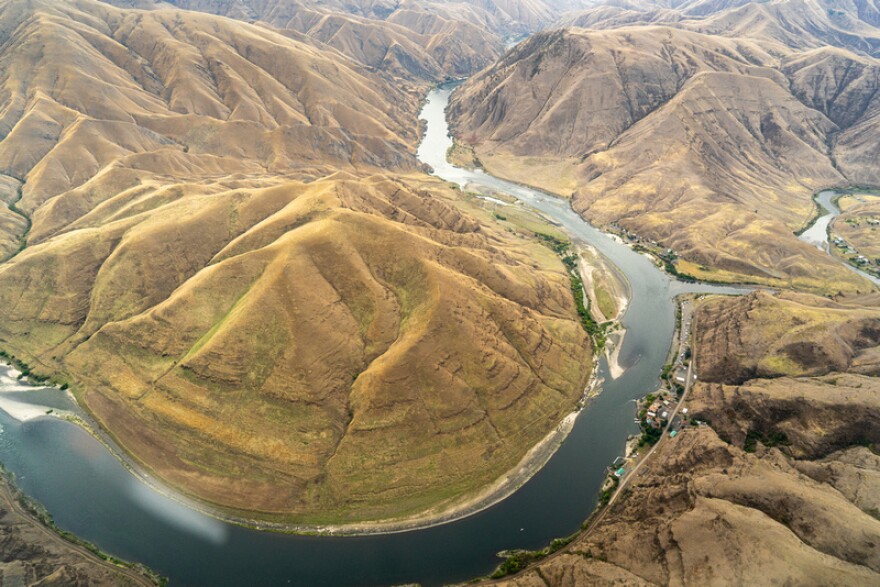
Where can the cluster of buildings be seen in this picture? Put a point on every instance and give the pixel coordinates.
(849, 250)
(658, 412)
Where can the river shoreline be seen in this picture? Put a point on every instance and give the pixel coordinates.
(827, 211)
(559, 494)
(499, 490)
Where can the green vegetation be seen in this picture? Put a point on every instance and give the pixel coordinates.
(651, 435)
(520, 559)
(771, 439)
(593, 328)
(606, 494)
(668, 260)
(597, 331)
(24, 368)
(560, 246)
(13, 207)
(606, 303)
(20, 365)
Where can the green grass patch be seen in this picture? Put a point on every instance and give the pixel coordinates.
(607, 304)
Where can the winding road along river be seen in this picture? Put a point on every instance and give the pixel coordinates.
(89, 492)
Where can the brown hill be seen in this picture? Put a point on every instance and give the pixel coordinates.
(427, 48)
(706, 512)
(782, 488)
(418, 44)
(760, 335)
(276, 334)
(844, 87)
(798, 24)
(701, 143)
(419, 39)
(499, 16)
(258, 328)
(92, 89)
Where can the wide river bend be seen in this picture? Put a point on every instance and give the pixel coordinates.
(91, 494)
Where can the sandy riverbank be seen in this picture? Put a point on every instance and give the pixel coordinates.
(593, 268)
(23, 411)
(615, 341)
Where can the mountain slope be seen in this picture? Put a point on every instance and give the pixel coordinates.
(708, 145)
(420, 39)
(797, 24)
(780, 487)
(234, 260)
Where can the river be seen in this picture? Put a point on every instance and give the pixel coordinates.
(91, 494)
(818, 235)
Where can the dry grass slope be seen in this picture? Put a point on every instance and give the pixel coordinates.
(711, 145)
(236, 263)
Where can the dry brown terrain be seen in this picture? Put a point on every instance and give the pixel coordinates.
(32, 555)
(421, 40)
(801, 24)
(781, 488)
(234, 259)
(791, 334)
(711, 144)
(415, 44)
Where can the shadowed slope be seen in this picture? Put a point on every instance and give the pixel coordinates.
(88, 86)
(780, 487)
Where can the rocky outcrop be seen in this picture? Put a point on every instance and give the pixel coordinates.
(31, 555)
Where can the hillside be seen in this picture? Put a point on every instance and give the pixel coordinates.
(856, 233)
(780, 487)
(498, 16)
(710, 146)
(798, 24)
(419, 40)
(788, 335)
(235, 261)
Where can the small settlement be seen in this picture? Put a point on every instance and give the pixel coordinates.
(657, 410)
(850, 253)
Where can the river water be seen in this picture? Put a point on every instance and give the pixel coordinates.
(91, 494)
(818, 234)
